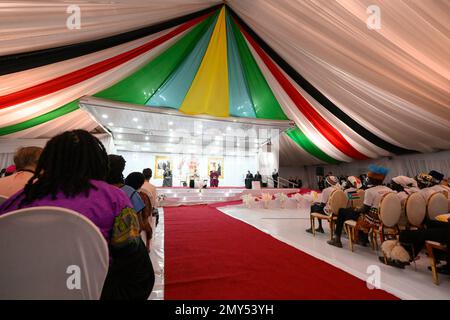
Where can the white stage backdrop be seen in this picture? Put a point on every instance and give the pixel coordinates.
(234, 168)
(409, 165)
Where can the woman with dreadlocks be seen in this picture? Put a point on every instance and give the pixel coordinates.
(70, 174)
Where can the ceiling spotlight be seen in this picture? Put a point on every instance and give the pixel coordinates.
(135, 119)
(139, 127)
(228, 129)
(119, 136)
(170, 123)
(104, 116)
(146, 138)
(238, 144)
(110, 124)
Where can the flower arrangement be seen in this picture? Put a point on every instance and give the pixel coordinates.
(266, 198)
(282, 197)
(248, 200)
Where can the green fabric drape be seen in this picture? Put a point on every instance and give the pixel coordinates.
(302, 140)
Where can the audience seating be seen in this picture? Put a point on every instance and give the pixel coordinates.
(45, 250)
(431, 246)
(437, 204)
(337, 200)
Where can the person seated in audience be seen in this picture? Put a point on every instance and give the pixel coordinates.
(25, 160)
(404, 186)
(136, 181)
(369, 217)
(438, 185)
(115, 177)
(71, 174)
(149, 188)
(10, 170)
(413, 241)
(352, 185)
(332, 183)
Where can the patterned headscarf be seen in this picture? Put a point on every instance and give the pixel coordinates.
(332, 180)
(424, 179)
(355, 182)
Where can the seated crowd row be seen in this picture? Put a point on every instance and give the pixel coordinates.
(366, 216)
(75, 172)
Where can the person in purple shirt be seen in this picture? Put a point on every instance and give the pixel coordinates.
(70, 174)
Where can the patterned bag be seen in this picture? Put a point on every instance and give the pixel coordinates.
(125, 233)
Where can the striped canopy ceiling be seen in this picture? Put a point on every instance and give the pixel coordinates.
(206, 62)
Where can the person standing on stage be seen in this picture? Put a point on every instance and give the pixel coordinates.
(275, 178)
(248, 180)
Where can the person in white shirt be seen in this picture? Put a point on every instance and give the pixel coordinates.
(26, 160)
(372, 198)
(332, 183)
(353, 185)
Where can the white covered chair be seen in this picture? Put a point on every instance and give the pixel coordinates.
(51, 253)
(437, 205)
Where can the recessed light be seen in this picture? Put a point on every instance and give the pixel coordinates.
(119, 136)
(170, 123)
(104, 116)
(238, 144)
(146, 138)
(135, 119)
(139, 127)
(110, 124)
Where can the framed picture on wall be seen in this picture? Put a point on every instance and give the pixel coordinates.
(162, 163)
(216, 164)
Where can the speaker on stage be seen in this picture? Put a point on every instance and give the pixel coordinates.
(320, 171)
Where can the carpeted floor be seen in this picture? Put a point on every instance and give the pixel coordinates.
(209, 255)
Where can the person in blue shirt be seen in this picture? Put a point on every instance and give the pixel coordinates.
(115, 177)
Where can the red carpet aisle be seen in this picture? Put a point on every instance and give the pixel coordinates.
(209, 255)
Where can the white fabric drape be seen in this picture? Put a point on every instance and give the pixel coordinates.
(393, 80)
(9, 146)
(27, 110)
(33, 25)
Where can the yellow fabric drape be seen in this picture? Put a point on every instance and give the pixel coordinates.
(208, 93)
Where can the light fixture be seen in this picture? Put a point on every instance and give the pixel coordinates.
(228, 129)
(139, 127)
(146, 138)
(135, 119)
(119, 136)
(110, 124)
(104, 116)
(170, 123)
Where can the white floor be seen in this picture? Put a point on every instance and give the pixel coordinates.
(157, 257)
(289, 225)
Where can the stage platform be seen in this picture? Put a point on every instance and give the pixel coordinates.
(188, 196)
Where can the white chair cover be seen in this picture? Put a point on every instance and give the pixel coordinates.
(415, 209)
(338, 200)
(390, 209)
(38, 249)
(437, 204)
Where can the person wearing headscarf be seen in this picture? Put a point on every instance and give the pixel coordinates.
(331, 183)
(369, 217)
(437, 179)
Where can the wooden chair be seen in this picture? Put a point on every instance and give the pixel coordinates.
(337, 200)
(431, 246)
(389, 213)
(349, 225)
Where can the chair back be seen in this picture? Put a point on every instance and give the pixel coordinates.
(390, 209)
(337, 200)
(51, 253)
(3, 198)
(356, 203)
(437, 204)
(416, 209)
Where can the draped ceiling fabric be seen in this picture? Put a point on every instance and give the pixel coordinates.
(353, 93)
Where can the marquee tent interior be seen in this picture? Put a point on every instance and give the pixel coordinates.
(240, 85)
(352, 92)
